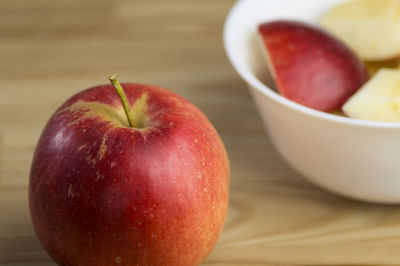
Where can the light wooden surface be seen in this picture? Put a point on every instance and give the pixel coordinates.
(50, 49)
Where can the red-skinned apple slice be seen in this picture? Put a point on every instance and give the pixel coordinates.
(310, 66)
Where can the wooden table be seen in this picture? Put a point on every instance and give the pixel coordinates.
(51, 49)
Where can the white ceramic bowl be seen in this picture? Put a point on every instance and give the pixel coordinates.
(358, 159)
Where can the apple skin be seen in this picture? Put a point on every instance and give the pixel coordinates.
(102, 193)
(311, 66)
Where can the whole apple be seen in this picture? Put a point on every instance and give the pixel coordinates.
(106, 191)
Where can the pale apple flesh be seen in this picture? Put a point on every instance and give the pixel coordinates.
(378, 99)
(370, 27)
(102, 193)
(310, 66)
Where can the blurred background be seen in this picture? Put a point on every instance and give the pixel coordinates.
(51, 49)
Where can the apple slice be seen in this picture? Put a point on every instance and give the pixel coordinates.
(378, 99)
(370, 27)
(310, 66)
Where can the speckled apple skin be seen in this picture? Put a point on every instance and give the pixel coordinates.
(102, 193)
(311, 66)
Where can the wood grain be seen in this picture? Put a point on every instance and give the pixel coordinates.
(51, 49)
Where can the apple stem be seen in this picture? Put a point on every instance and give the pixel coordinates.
(120, 91)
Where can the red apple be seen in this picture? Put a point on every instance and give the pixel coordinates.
(310, 66)
(104, 193)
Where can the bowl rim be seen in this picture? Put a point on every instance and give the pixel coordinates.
(255, 83)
